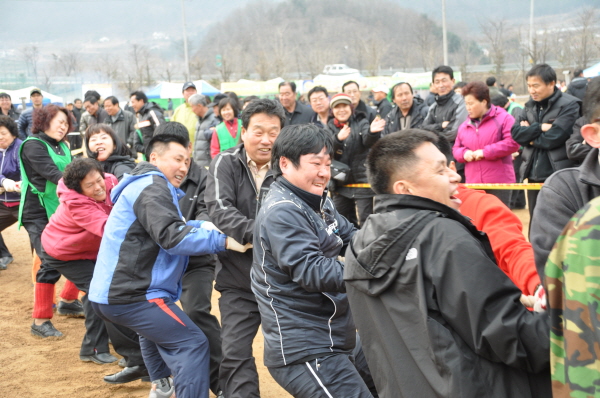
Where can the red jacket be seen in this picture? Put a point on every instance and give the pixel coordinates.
(74, 232)
(513, 252)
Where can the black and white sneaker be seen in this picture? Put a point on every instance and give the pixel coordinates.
(74, 309)
(44, 330)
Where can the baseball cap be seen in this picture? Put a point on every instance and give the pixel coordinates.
(380, 89)
(217, 99)
(187, 85)
(35, 90)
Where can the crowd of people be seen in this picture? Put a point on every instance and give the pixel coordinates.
(341, 228)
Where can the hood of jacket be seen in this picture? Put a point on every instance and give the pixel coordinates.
(141, 170)
(387, 236)
(579, 82)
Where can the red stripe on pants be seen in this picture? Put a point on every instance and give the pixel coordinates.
(161, 304)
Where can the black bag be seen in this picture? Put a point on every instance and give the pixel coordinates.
(339, 171)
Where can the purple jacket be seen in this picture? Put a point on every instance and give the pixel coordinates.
(492, 134)
(10, 168)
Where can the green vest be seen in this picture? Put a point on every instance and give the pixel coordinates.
(48, 198)
(226, 141)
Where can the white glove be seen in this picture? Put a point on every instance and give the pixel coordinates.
(537, 301)
(210, 226)
(9, 185)
(232, 244)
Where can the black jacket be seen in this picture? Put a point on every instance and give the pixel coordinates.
(417, 113)
(577, 148)
(148, 118)
(447, 108)
(362, 111)
(297, 277)
(193, 207)
(562, 195)
(124, 126)
(118, 165)
(233, 201)
(12, 113)
(577, 87)
(302, 114)
(545, 152)
(353, 152)
(383, 107)
(436, 316)
(39, 168)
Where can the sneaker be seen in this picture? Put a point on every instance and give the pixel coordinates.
(4, 261)
(162, 388)
(74, 309)
(44, 330)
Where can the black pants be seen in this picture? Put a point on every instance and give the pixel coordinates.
(240, 320)
(34, 228)
(8, 216)
(347, 207)
(332, 375)
(532, 199)
(124, 340)
(518, 197)
(195, 300)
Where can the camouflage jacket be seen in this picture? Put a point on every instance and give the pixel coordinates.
(573, 281)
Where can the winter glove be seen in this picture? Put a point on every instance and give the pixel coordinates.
(209, 226)
(232, 244)
(537, 301)
(9, 185)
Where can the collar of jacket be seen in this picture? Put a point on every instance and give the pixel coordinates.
(360, 110)
(589, 171)
(120, 116)
(243, 157)
(389, 202)
(442, 99)
(193, 174)
(489, 114)
(47, 138)
(315, 202)
(207, 114)
(546, 102)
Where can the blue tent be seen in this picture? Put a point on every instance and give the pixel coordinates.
(592, 71)
(173, 90)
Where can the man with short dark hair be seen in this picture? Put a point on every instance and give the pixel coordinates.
(568, 190)
(148, 115)
(205, 123)
(381, 102)
(361, 110)
(238, 180)
(26, 118)
(93, 114)
(310, 345)
(7, 108)
(142, 257)
(544, 127)
(435, 314)
(491, 84)
(295, 112)
(77, 110)
(318, 98)
(578, 85)
(121, 121)
(184, 114)
(409, 112)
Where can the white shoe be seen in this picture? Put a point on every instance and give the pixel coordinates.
(159, 387)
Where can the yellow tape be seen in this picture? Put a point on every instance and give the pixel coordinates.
(514, 186)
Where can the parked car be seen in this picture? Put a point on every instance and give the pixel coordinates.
(338, 69)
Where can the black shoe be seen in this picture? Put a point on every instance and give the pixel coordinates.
(122, 363)
(74, 309)
(44, 330)
(129, 374)
(4, 261)
(99, 358)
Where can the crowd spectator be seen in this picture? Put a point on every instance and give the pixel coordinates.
(227, 133)
(184, 113)
(7, 108)
(578, 85)
(543, 128)
(361, 109)
(25, 120)
(318, 97)
(121, 121)
(410, 111)
(103, 144)
(295, 111)
(484, 142)
(10, 182)
(148, 115)
(381, 102)
(205, 123)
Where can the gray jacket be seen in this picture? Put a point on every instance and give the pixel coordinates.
(203, 136)
(124, 126)
(447, 108)
(563, 194)
(297, 278)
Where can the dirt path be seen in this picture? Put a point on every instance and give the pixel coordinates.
(36, 368)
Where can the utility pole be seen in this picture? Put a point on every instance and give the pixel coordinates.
(185, 44)
(531, 49)
(444, 35)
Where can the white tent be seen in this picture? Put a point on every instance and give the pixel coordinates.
(592, 71)
(16, 96)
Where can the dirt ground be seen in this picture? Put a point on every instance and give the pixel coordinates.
(37, 368)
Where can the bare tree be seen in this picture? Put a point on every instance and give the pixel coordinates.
(495, 32)
(167, 71)
(31, 56)
(426, 42)
(67, 62)
(47, 81)
(107, 68)
(583, 45)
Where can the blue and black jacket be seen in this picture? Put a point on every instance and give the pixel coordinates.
(146, 243)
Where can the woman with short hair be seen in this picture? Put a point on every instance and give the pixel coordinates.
(227, 134)
(103, 144)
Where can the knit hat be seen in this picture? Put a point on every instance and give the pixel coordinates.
(340, 98)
